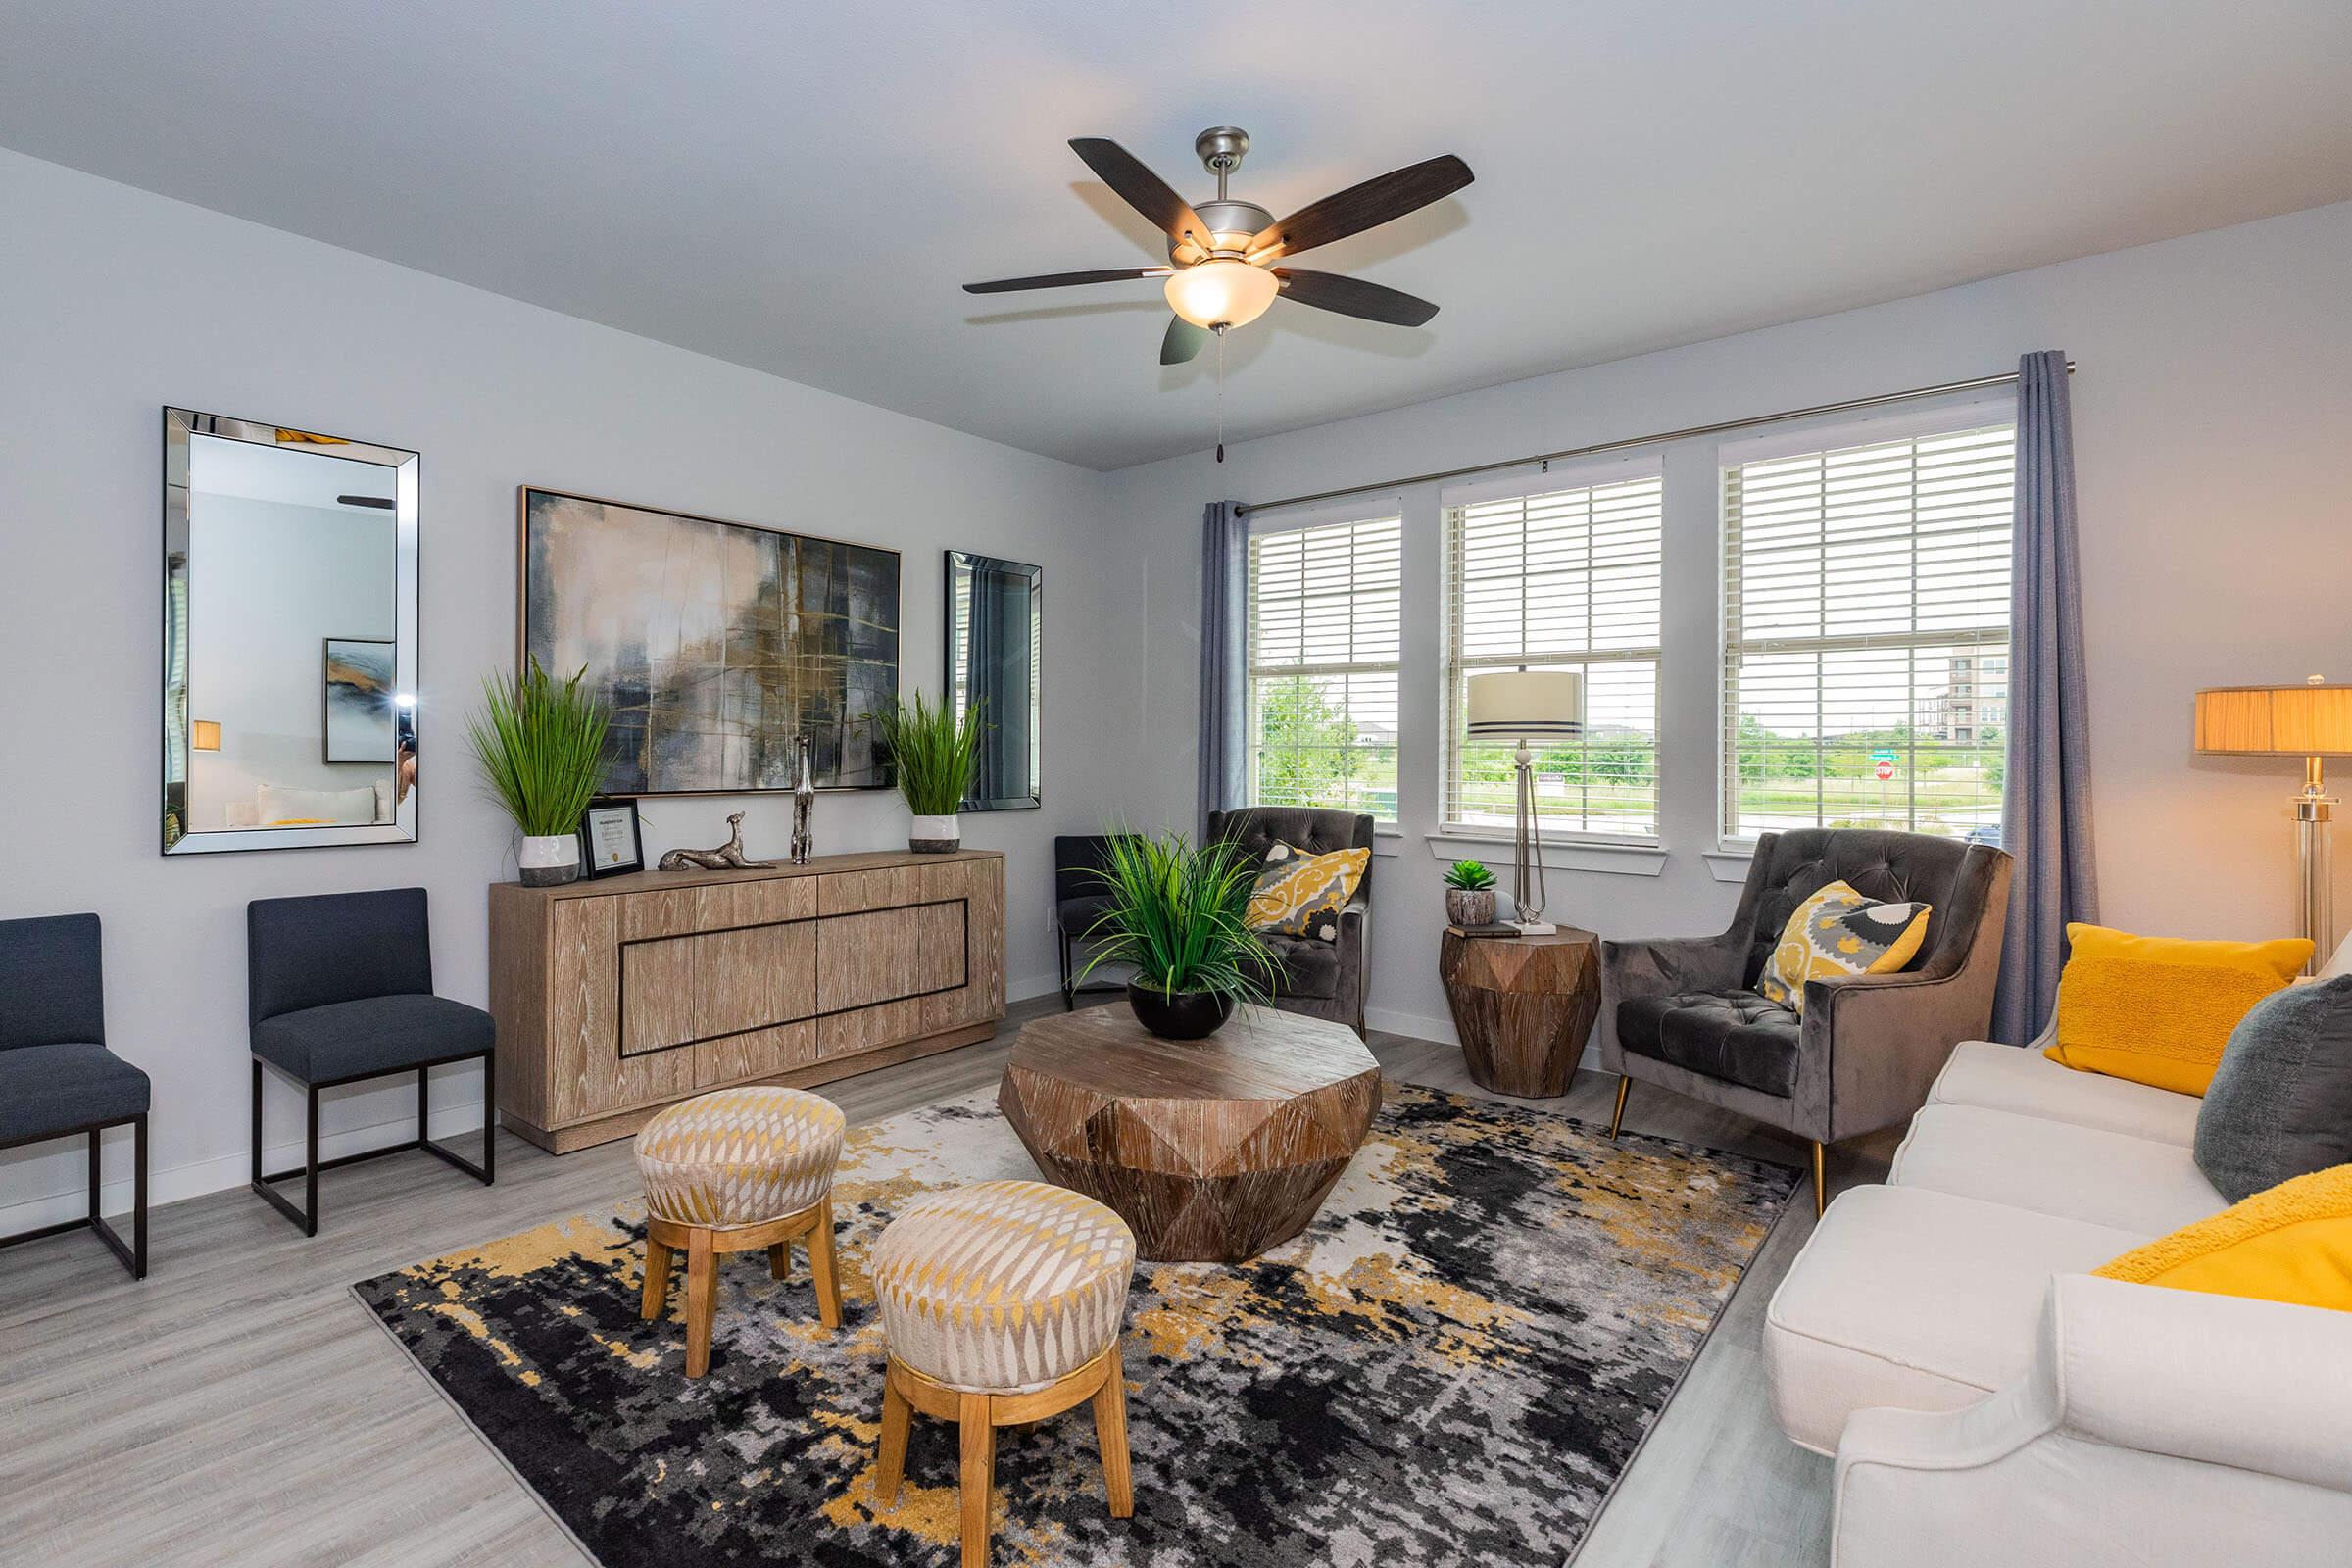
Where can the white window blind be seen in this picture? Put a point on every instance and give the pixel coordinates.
(1866, 636)
(1563, 580)
(1325, 637)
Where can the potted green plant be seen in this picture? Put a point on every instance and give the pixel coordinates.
(1178, 913)
(934, 752)
(540, 744)
(1469, 894)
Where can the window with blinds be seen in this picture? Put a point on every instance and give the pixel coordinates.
(1866, 636)
(1325, 638)
(1562, 579)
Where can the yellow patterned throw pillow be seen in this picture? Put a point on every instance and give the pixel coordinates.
(2157, 1010)
(1299, 895)
(1838, 932)
(2290, 1243)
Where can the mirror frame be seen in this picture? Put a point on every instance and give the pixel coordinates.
(968, 561)
(181, 426)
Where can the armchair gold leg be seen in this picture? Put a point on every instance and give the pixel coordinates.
(1821, 1191)
(1625, 1087)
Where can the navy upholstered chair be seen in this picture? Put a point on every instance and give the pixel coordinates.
(340, 988)
(56, 1078)
(1079, 899)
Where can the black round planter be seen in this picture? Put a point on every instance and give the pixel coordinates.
(1178, 1015)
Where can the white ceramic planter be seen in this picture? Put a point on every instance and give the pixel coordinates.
(934, 835)
(548, 860)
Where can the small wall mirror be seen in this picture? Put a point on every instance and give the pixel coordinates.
(289, 638)
(995, 646)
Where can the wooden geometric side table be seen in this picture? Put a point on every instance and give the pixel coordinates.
(1523, 1006)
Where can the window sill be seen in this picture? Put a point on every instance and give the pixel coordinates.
(1608, 855)
(1728, 865)
(1387, 840)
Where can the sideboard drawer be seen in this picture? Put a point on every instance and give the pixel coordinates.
(848, 891)
(753, 977)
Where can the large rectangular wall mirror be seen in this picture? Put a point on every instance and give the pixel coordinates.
(995, 642)
(289, 638)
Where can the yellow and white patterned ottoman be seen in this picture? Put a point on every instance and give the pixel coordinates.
(729, 1172)
(1003, 1304)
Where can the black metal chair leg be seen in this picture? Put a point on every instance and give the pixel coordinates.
(265, 1182)
(139, 1196)
(487, 1172)
(309, 1180)
(1069, 999)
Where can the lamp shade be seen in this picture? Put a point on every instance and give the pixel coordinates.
(2308, 721)
(1526, 703)
(204, 735)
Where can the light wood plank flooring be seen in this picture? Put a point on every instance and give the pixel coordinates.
(239, 1407)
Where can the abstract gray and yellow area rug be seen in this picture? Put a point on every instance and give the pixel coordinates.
(1453, 1364)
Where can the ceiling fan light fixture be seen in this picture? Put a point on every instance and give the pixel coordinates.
(1222, 293)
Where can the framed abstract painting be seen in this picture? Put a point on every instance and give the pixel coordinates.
(717, 644)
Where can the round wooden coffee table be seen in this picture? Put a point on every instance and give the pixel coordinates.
(1523, 1006)
(1211, 1150)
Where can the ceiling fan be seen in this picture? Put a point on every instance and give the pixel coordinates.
(1222, 254)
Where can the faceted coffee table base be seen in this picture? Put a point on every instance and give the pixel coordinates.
(1213, 1150)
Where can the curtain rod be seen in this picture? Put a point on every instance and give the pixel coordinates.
(1661, 438)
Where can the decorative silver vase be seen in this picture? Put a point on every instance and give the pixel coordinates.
(804, 802)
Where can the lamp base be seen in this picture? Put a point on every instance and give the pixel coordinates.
(1534, 928)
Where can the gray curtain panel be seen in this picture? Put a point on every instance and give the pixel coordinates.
(2045, 794)
(1224, 659)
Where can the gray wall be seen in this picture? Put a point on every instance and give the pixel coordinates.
(2211, 411)
(114, 302)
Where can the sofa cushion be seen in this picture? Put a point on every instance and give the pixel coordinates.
(2290, 1243)
(1915, 1298)
(2158, 1010)
(52, 1088)
(2281, 1102)
(1737, 1035)
(2027, 1083)
(1836, 933)
(2029, 1163)
(376, 1034)
(1310, 966)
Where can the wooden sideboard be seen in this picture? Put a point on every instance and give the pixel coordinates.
(618, 997)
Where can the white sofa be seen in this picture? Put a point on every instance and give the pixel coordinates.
(1988, 1402)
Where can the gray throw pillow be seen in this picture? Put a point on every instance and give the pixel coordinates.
(2280, 1102)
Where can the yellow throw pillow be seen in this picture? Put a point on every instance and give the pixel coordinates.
(2290, 1243)
(2157, 1010)
(1839, 932)
(1302, 895)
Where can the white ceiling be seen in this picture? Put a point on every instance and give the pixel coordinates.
(801, 188)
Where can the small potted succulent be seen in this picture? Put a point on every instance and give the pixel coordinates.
(933, 751)
(540, 744)
(1469, 894)
(1178, 913)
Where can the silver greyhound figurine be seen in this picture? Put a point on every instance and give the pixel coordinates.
(728, 856)
(804, 801)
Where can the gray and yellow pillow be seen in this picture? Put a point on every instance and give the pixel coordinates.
(1839, 932)
(1302, 895)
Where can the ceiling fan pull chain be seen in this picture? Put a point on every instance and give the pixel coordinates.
(1220, 394)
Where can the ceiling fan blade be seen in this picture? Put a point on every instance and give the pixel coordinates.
(1353, 296)
(1142, 190)
(1115, 274)
(1184, 340)
(1361, 207)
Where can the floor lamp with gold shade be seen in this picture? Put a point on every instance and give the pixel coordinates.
(2312, 720)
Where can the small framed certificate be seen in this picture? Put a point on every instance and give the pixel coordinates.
(609, 840)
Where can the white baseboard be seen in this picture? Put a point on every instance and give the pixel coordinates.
(228, 1172)
(1412, 1025)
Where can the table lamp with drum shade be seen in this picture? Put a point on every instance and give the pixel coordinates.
(2312, 720)
(1523, 705)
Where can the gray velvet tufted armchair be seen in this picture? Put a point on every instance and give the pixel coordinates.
(1681, 1013)
(1319, 979)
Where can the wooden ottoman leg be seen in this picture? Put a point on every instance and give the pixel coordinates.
(779, 1261)
(701, 1287)
(1111, 1435)
(820, 1265)
(891, 1468)
(657, 1278)
(978, 1478)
